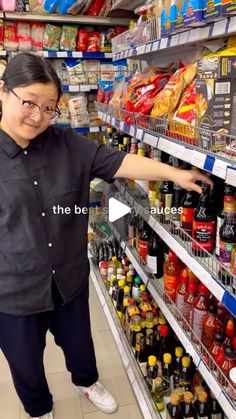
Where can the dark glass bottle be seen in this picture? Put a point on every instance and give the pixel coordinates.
(166, 373)
(227, 243)
(177, 366)
(155, 255)
(144, 238)
(173, 408)
(151, 371)
(189, 204)
(188, 409)
(132, 229)
(229, 206)
(201, 406)
(166, 196)
(178, 194)
(216, 411)
(185, 379)
(204, 224)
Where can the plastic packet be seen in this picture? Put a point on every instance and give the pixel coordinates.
(24, 36)
(37, 34)
(78, 111)
(10, 36)
(68, 38)
(75, 71)
(82, 40)
(51, 38)
(64, 118)
(95, 7)
(105, 91)
(94, 42)
(92, 70)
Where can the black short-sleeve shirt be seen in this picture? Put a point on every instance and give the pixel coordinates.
(36, 243)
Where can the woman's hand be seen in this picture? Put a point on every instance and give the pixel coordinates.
(187, 178)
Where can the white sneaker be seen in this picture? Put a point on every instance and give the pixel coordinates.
(47, 416)
(99, 396)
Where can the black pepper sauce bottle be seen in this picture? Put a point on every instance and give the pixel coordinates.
(204, 224)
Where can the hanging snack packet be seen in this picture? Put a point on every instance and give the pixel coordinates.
(24, 36)
(52, 36)
(68, 38)
(37, 34)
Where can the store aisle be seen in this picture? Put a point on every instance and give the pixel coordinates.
(67, 404)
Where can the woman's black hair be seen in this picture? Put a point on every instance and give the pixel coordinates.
(26, 68)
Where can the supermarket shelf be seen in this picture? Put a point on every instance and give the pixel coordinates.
(216, 165)
(79, 88)
(67, 19)
(210, 31)
(154, 288)
(198, 268)
(126, 4)
(136, 379)
(76, 54)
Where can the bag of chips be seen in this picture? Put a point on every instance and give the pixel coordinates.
(51, 38)
(68, 38)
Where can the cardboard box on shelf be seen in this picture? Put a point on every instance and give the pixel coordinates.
(193, 15)
(217, 67)
(212, 10)
(216, 111)
(228, 7)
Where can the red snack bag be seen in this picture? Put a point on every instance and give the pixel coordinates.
(95, 8)
(82, 41)
(94, 42)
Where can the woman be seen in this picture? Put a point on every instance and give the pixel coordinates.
(44, 268)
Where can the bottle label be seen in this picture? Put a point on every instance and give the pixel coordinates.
(216, 416)
(180, 302)
(197, 321)
(143, 249)
(131, 235)
(229, 203)
(170, 283)
(226, 250)
(187, 215)
(152, 263)
(218, 226)
(204, 234)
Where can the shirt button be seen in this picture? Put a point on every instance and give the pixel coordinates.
(25, 152)
(35, 182)
(49, 244)
(43, 214)
(53, 271)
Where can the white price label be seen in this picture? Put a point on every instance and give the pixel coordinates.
(122, 125)
(139, 134)
(232, 25)
(174, 40)
(220, 168)
(76, 88)
(141, 49)
(132, 131)
(178, 150)
(194, 35)
(198, 159)
(231, 176)
(148, 48)
(163, 43)
(183, 38)
(126, 53)
(76, 54)
(204, 32)
(155, 45)
(187, 156)
(61, 54)
(219, 28)
(84, 88)
(161, 143)
(108, 119)
(130, 53)
(113, 121)
(150, 139)
(94, 129)
(165, 145)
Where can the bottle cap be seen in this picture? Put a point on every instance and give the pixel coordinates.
(132, 302)
(142, 288)
(202, 396)
(188, 396)
(129, 277)
(143, 315)
(185, 362)
(198, 389)
(137, 280)
(155, 311)
(152, 361)
(119, 271)
(158, 381)
(121, 283)
(232, 375)
(162, 320)
(114, 258)
(179, 352)
(180, 392)
(126, 289)
(149, 316)
(167, 358)
(164, 330)
(212, 309)
(111, 270)
(184, 275)
(145, 298)
(230, 329)
(136, 320)
(174, 399)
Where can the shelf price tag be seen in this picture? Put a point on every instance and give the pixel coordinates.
(139, 134)
(148, 48)
(183, 38)
(108, 119)
(198, 159)
(84, 88)
(178, 150)
(219, 28)
(163, 43)
(94, 129)
(150, 139)
(232, 24)
(174, 40)
(122, 125)
(220, 168)
(231, 176)
(130, 53)
(194, 35)
(132, 131)
(155, 46)
(113, 121)
(126, 53)
(204, 32)
(141, 49)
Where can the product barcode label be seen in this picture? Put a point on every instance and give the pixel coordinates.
(222, 88)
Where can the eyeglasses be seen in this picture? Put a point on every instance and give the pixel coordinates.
(31, 109)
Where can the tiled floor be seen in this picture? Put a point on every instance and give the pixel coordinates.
(67, 404)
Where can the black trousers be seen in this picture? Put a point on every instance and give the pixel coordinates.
(22, 340)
